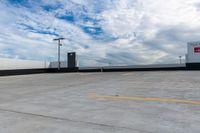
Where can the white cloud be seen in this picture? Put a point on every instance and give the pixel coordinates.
(151, 18)
(162, 30)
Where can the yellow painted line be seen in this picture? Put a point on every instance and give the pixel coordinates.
(147, 99)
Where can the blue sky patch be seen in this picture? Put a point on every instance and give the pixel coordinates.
(24, 3)
(32, 29)
(68, 16)
(50, 8)
(86, 19)
(92, 30)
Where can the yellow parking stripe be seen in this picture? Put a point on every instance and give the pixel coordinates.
(147, 99)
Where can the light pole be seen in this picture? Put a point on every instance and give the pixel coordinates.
(180, 59)
(59, 44)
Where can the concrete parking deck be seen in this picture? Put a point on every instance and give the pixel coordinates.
(123, 102)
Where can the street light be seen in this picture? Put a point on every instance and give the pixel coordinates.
(180, 59)
(59, 44)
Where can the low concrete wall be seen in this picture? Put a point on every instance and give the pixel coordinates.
(193, 66)
(21, 67)
(153, 67)
(22, 72)
(13, 64)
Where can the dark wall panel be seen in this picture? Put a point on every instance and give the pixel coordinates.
(71, 60)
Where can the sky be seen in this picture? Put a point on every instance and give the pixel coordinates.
(102, 32)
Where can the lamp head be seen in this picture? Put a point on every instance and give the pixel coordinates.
(57, 39)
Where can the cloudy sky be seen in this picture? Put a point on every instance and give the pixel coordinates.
(102, 32)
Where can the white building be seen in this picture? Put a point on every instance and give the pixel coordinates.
(193, 52)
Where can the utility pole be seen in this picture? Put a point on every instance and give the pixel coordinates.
(59, 45)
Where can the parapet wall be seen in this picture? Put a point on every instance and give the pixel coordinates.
(21, 67)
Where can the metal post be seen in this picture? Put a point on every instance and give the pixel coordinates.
(45, 64)
(59, 54)
(101, 69)
(180, 59)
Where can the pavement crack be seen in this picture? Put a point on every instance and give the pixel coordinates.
(74, 121)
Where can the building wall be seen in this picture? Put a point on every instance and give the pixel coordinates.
(193, 55)
(9, 64)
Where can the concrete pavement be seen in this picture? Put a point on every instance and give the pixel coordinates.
(60, 103)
